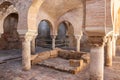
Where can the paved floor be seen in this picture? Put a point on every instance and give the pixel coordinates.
(12, 70)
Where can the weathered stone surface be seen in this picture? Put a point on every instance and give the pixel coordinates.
(41, 56)
(44, 55)
(86, 57)
(62, 65)
(54, 53)
(63, 60)
(75, 63)
(74, 55)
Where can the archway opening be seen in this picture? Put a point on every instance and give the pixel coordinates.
(43, 38)
(65, 38)
(10, 37)
(61, 37)
(3, 11)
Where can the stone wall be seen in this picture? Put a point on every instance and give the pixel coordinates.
(10, 37)
(22, 7)
(98, 17)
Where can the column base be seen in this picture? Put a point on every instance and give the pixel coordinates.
(95, 77)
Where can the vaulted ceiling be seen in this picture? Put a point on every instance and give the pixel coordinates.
(56, 8)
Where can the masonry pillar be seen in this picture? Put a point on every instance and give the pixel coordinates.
(114, 38)
(97, 59)
(53, 41)
(26, 52)
(33, 45)
(108, 54)
(78, 37)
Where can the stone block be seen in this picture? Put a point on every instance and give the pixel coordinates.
(75, 63)
(86, 57)
(78, 64)
(41, 56)
(53, 53)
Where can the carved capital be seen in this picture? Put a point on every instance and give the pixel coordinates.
(53, 36)
(27, 37)
(78, 37)
(97, 40)
(109, 38)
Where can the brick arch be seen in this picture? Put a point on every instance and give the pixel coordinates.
(68, 25)
(49, 23)
(7, 8)
(32, 15)
(44, 16)
(76, 18)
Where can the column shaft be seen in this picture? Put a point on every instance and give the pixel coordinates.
(108, 54)
(33, 45)
(114, 46)
(53, 41)
(26, 54)
(97, 63)
(78, 37)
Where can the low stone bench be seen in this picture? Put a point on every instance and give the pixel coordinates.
(64, 60)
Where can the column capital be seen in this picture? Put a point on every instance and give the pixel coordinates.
(27, 37)
(96, 41)
(53, 36)
(78, 37)
(109, 38)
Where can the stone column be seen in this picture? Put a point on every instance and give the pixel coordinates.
(97, 59)
(78, 37)
(114, 38)
(108, 54)
(33, 45)
(26, 52)
(53, 41)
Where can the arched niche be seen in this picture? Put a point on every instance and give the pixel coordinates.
(10, 34)
(3, 10)
(10, 23)
(44, 38)
(62, 30)
(65, 37)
